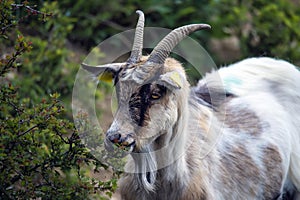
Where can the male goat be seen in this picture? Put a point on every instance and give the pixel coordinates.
(164, 125)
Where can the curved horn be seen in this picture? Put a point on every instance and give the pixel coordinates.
(166, 45)
(136, 51)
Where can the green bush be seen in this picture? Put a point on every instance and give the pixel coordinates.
(263, 28)
(41, 154)
(48, 67)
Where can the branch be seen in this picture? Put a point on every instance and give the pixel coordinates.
(31, 10)
(15, 107)
(27, 131)
(9, 63)
(61, 137)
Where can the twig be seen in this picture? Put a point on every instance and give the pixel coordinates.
(27, 131)
(61, 137)
(31, 10)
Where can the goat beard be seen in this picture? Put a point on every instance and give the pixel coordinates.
(145, 168)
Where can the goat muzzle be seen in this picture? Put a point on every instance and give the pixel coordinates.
(120, 143)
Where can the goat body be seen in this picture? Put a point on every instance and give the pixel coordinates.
(258, 153)
(236, 135)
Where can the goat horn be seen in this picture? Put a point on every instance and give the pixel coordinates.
(137, 47)
(166, 45)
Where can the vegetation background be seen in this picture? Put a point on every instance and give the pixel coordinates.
(42, 44)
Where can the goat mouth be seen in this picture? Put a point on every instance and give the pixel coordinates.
(119, 150)
(126, 147)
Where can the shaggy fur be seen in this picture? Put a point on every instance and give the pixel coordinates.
(244, 147)
(236, 135)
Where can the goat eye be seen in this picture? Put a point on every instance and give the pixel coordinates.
(155, 96)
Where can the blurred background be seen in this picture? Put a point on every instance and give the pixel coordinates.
(42, 44)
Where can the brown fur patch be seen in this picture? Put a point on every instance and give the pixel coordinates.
(273, 171)
(196, 186)
(170, 64)
(240, 171)
(242, 119)
(193, 192)
(204, 120)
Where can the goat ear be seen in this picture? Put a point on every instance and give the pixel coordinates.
(171, 80)
(107, 71)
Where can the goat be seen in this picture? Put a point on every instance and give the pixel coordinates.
(164, 124)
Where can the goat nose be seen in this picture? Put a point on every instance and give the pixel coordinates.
(120, 140)
(115, 138)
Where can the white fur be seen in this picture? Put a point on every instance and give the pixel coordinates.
(267, 87)
(256, 74)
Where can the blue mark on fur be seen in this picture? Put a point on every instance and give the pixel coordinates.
(231, 82)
